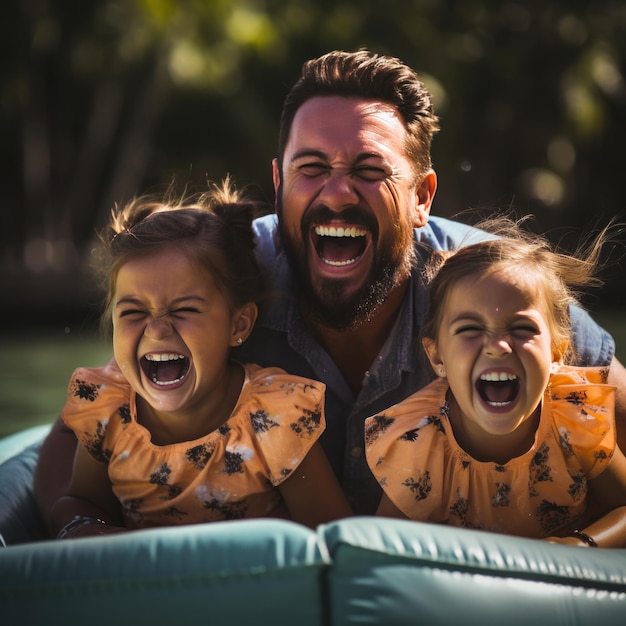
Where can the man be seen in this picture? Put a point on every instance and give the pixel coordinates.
(354, 186)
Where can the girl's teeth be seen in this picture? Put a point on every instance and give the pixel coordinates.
(497, 376)
(164, 357)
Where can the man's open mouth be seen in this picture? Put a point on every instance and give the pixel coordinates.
(498, 389)
(165, 368)
(340, 245)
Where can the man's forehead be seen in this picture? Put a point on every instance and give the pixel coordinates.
(347, 127)
(359, 110)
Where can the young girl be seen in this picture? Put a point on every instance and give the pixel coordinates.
(507, 439)
(174, 430)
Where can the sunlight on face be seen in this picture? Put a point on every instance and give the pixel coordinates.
(347, 203)
(172, 330)
(496, 347)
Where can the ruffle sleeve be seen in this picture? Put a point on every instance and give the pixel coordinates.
(395, 438)
(286, 414)
(98, 405)
(583, 408)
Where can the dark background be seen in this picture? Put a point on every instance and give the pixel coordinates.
(104, 99)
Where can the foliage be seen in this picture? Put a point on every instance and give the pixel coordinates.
(108, 98)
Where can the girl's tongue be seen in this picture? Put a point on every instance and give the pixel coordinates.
(498, 392)
(165, 370)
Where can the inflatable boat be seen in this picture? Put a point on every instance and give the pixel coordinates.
(361, 570)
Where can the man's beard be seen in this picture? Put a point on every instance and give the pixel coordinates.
(328, 304)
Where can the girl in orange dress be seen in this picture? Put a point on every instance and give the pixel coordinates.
(507, 439)
(173, 430)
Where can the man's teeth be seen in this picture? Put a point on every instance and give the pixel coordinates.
(339, 231)
(498, 376)
(163, 357)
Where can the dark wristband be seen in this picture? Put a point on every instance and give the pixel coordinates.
(584, 537)
(77, 522)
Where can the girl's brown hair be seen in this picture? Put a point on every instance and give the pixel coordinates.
(213, 228)
(554, 276)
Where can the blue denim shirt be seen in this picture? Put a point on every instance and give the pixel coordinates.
(281, 338)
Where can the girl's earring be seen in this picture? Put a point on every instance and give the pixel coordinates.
(442, 370)
(239, 341)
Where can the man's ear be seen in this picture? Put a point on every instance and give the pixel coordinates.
(430, 348)
(243, 322)
(275, 175)
(424, 195)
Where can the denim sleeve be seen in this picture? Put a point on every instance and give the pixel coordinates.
(443, 234)
(594, 346)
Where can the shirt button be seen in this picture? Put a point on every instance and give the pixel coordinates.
(356, 452)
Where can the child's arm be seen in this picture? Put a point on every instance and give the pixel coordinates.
(387, 508)
(312, 493)
(608, 490)
(90, 505)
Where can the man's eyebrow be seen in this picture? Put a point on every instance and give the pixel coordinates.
(308, 153)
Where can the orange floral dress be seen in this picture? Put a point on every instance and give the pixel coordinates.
(233, 472)
(413, 454)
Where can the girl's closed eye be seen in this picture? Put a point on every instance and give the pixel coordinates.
(131, 313)
(467, 330)
(525, 330)
(186, 310)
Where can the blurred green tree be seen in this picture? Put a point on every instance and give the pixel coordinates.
(105, 99)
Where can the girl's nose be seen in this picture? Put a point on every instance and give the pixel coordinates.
(158, 327)
(498, 345)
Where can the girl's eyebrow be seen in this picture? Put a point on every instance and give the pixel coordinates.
(176, 302)
(127, 300)
(519, 316)
(465, 316)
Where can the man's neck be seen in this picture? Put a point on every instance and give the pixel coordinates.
(355, 349)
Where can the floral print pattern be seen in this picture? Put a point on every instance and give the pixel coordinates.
(231, 473)
(412, 452)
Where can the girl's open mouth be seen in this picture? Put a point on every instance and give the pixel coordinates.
(165, 369)
(498, 389)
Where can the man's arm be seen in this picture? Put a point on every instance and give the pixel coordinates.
(54, 470)
(617, 377)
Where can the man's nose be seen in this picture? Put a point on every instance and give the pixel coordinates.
(338, 191)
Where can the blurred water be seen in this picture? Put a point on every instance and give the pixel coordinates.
(35, 367)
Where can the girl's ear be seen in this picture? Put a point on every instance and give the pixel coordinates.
(243, 322)
(558, 354)
(430, 348)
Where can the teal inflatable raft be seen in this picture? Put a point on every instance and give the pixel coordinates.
(355, 571)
